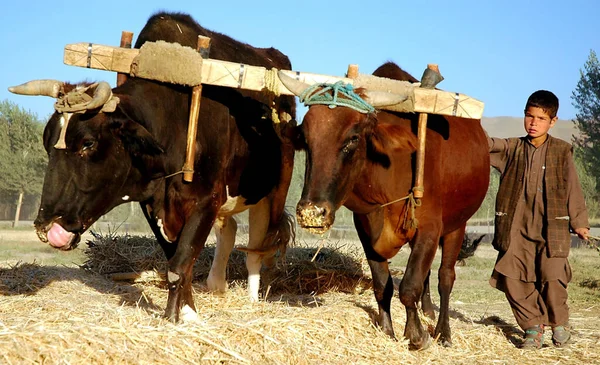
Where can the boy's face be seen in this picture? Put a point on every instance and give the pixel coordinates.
(537, 122)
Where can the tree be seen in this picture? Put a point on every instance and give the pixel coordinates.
(22, 156)
(586, 100)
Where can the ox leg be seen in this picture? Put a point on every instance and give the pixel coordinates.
(168, 247)
(179, 274)
(257, 230)
(451, 245)
(383, 285)
(225, 230)
(412, 285)
(426, 303)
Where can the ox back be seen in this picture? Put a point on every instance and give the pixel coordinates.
(136, 152)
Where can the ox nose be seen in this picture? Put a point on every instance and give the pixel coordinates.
(316, 218)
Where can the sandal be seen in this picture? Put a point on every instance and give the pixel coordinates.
(534, 338)
(560, 335)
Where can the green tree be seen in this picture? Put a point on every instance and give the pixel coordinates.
(22, 156)
(586, 100)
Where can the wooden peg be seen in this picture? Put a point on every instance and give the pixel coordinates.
(352, 71)
(126, 39)
(203, 47)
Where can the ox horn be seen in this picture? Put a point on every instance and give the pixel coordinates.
(293, 85)
(383, 98)
(102, 93)
(38, 87)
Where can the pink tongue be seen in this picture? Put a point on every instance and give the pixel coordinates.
(58, 237)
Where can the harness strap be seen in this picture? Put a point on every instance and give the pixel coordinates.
(410, 221)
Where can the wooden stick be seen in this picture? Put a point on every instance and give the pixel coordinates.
(203, 48)
(422, 132)
(419, 188)
(126, 39)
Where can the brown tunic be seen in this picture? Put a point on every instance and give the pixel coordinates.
(526, 234)
(534, 280)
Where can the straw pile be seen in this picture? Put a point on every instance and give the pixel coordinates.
(304, 270)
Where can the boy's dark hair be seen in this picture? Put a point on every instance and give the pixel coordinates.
(544, 99)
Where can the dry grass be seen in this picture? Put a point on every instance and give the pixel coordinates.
(65, 315)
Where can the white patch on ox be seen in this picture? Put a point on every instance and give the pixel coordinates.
(187, 314)
(159, 223)
(233, 205)
(225, 229)
(125, 197)
(257, 230)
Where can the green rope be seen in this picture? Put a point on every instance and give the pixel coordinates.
(328, 94)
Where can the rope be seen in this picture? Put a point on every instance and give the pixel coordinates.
(409, 221)
(272, 86)
(320, 94)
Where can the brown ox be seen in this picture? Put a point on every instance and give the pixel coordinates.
(363, 161)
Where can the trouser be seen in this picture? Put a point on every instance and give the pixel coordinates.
(534, 304)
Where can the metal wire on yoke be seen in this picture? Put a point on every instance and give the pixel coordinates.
(320, 94)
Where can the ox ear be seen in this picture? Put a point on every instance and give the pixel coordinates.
(137, 140)
(292, 132)
(387, 137)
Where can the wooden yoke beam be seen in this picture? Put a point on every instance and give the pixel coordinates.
(431, 77)
(203, 48)
(126, 39)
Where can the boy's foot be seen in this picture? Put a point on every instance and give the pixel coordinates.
(534, 338)
(560, 335)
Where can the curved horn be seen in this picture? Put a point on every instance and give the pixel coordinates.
(382, 98)
(293, 85)
(38, 87)
(102, 94)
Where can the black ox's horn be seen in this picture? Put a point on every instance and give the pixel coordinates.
(38, 87)
(102, 94)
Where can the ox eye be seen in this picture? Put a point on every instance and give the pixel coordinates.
(88, 144)
(351, 143)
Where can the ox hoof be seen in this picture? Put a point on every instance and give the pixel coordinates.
(445, 342)
(424, 344)
(253, 297)
(216, 285)
(188, 315)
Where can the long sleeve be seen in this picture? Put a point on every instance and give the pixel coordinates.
(578, 214)
(498, 148)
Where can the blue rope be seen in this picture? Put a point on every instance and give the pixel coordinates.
(320, 94)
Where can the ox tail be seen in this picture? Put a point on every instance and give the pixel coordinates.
(468, 249)
(278, 238)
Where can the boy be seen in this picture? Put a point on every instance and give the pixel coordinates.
(538, 199)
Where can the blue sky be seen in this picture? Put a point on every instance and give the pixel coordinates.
(496, 51)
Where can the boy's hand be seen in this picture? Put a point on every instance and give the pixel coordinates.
(583, 233)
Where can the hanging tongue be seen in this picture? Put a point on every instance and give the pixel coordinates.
(58, 237)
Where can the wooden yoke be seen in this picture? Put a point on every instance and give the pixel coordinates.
(126, 39)
(203, 48)
(431, 77)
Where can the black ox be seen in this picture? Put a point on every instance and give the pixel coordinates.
(125, 144)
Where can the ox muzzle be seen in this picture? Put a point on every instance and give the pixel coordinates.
(56, 235)
(316, 218)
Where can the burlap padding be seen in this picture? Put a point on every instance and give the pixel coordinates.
(374, 83)
(168, 62)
